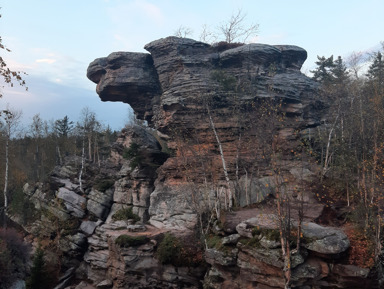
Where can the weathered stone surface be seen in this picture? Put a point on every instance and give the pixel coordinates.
(350, 271)
(213, 256)
(136, 228)
(269, 244)
(313, 269)
(73, 202)
(264, 221)
(73, 245)
(105, 284)
(125, 74)
(324, 240)
(231, 239)
(99, 203)
(176, 78)
(88, 227)
(169, 209)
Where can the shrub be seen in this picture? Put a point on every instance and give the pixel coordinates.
(169, 250)
(22, 206)
(223, 45)
(104, 185)
(251, 242)
(133, 154)
(214, 241)
(125, 214)
(175, 251)
(272, 234)
(228, 82)
(128, 241)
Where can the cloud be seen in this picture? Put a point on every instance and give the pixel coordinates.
(46, 60)
(136, 13)
(151, 10)
(53, 100)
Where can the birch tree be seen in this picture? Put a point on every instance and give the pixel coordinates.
(11, 119)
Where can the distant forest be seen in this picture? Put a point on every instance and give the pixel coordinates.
(34, 150)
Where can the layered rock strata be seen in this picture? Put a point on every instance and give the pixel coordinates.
(259, 103)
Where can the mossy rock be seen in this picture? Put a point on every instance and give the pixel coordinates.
(125, 214)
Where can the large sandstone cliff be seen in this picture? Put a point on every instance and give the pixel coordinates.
(184, 86)
(227, 123)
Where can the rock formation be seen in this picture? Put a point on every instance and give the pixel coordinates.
(174, 87)
(227, 123)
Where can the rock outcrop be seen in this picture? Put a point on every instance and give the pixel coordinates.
(184, 86)
(227, 124)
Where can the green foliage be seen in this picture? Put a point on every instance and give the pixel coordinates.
(104, 185)
(271, 234)
(39, 278)
(63, 127)
(133, 155)
(251, 242)
(169, 250)
(227, 82)
(23, 207)
(323, 71)
(214, 241)
(125, 214)
(128, 241)
(256, 231)
(178, 252)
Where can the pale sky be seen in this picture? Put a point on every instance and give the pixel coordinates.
(55, 40)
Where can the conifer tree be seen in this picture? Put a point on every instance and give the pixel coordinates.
(323, 72)
(38, 278)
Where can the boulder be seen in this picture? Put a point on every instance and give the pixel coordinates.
(325, 240)
(73, 202)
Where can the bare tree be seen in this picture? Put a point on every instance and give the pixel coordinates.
(355, 63)
(235, 29)
(183, 32)
(207, 35)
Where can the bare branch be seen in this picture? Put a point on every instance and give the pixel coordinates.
(207, 35)
(235, 30)
(183, 32)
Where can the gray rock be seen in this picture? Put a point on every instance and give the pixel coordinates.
(350, 271)
(169, 208)
(266, 221)
(314, 269)
(18, 284)
(325, 240)
(105, 284)
(231, 239)
(125, 74)
(269, 244)
(88, 227)
(136, 228)
(268, 256)
(73, 202)
(213, 256)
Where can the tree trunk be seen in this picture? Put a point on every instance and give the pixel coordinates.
(230, 203)
(6, 174)
(82, 167)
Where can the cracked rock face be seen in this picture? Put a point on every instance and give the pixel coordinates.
(172, 88)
